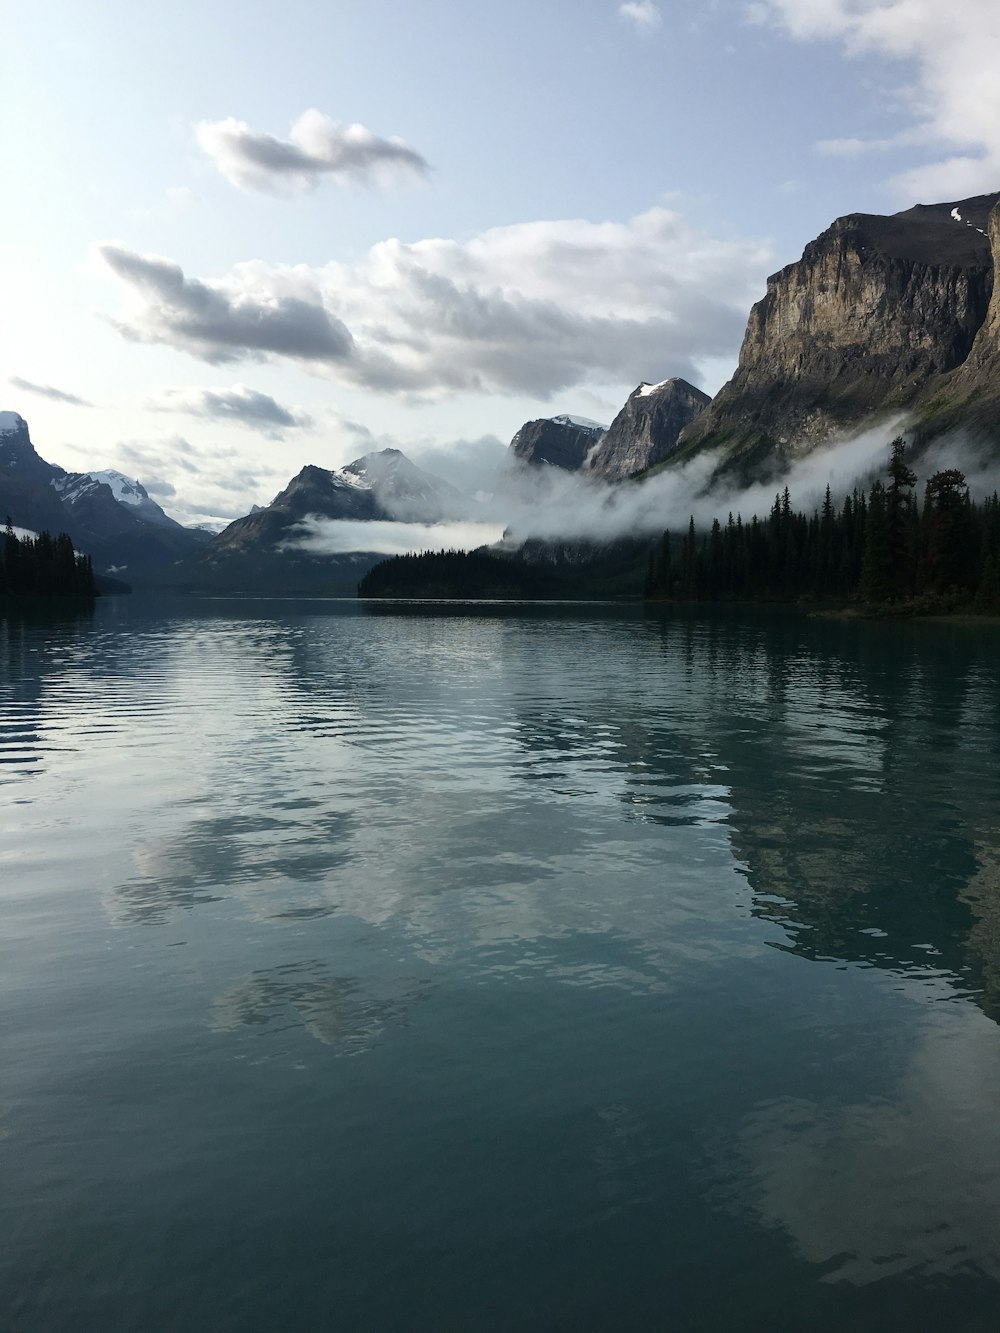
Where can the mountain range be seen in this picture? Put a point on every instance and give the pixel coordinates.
(108, 515)
(881, 317)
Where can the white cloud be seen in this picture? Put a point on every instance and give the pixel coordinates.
(531, 308)
(317, 147)
(643, 13)
(955, 94)
(255, 313)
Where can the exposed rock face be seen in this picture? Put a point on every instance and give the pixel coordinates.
(875, 311)
(562, 441)
(985, 354)
(970, 396)
(645, 431)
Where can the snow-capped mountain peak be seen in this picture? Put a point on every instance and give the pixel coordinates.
(88, 488)
(126, 490)
(11, 422)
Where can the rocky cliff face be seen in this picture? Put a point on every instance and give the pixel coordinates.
(969, 398)
(876, 311)
(646, 430)
(562, 441)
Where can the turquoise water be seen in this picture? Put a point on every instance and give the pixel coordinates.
(497, 968)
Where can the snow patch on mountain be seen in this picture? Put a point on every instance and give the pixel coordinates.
(126, 490)
(72, 485)
(11, 422)
(353, 475)
(581, 423)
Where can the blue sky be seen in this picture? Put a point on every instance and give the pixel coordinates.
(545, 203)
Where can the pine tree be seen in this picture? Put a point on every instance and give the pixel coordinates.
(950, 558)
(877, 581)
(899, 522)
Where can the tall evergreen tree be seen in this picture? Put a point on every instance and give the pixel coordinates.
(899, 522)
(950, 548)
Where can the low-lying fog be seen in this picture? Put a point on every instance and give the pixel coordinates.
(546, 502)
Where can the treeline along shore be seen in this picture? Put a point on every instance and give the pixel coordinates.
(880, 549)
(43, 567)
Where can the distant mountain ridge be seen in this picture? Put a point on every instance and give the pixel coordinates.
(642, 434)
(109, 516)
(262, 550)
(128, 491)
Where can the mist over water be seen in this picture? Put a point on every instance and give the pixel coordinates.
(504, 969)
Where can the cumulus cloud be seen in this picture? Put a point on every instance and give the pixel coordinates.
(317, 147)
(240, 404)
(530, 308)
(643, 13)
(955, 94)
(48, 391)
(252, 314)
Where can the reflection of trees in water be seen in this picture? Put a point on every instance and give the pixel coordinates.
(35, 646)
(854, 766)
(982, 894)
(859, 793)
(336, 1010)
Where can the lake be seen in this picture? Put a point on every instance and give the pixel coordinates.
(497, 967)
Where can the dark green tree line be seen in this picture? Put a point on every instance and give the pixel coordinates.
(878, 548)
(43, 566)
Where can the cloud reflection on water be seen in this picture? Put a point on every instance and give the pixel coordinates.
(904, 1185)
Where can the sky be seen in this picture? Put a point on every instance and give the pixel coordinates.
(244, 237)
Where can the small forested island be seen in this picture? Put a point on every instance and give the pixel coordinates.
(536, 571)
(43, 566)
(454, 574)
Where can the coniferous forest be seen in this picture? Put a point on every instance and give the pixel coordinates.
(881, 549)
(43, 566)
